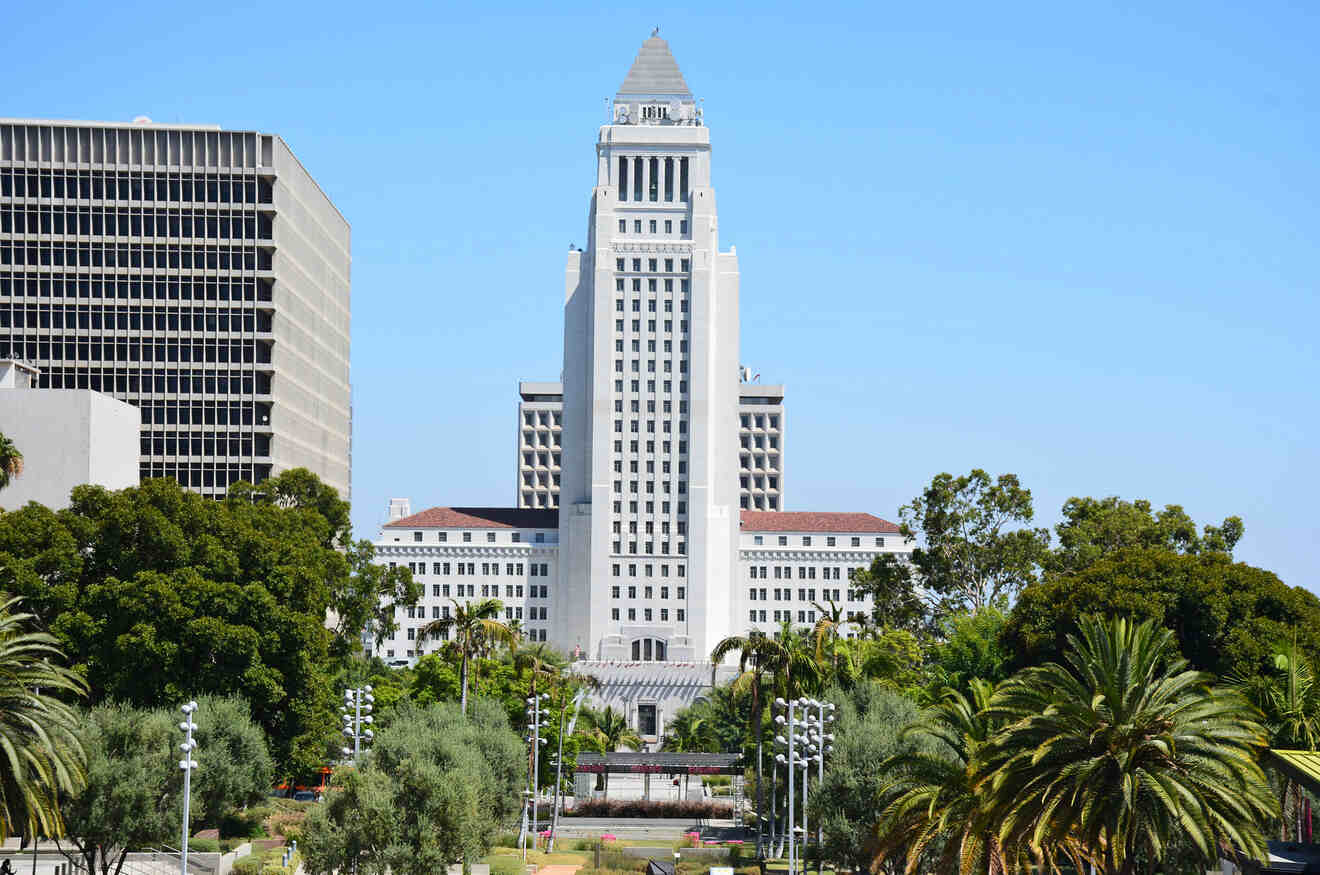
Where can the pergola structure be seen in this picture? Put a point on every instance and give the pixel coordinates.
(667, 763)
(659, 763)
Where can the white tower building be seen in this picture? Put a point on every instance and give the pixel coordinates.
(650, 381)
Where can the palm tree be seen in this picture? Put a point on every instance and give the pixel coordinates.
(934, 801)
(757, 654)
(688, 731)
(609, 732)
(826, 634)
(1290, 701)
(40, 757)
(476, 626)
(11, 461)
(1120, 750)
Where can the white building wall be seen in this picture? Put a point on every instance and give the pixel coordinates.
(68, 437)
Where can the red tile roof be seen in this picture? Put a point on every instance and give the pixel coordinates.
(480, 518)
(813, 521)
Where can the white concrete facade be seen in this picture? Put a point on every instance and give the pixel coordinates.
(68, 437)
(760, 452)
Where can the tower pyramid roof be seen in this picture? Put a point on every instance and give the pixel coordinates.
(654, 71)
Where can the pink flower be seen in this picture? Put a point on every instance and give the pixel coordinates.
(607, 838)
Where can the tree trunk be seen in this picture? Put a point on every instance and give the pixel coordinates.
(462, 708)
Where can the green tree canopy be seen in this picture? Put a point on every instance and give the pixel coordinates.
(158, 595)
(1093, 528)
(976, 550)
(133, 795)
(1119, 750)
(1226, 616)
(40, 755)
(868, 731)
(437, 787)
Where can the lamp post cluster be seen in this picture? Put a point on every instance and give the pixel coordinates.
(356, 712)
(802, 743)
(187, 764)
(536, 714)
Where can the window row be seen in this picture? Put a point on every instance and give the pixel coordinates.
(646, 175)
(30, 347)
(649, 571)
(125, 222)
(172, 257)
(759, 482)
(667, 366)
(760, 502)
(664, 527)
(133, 289)
(804, 572)
(441, 590)
(653, 228)
(667, 386)
(87, 317)
(541, 460)
(649, 548)
(650, 326)
(491, 537)
(648, 592)
(650, 466)
(680, 615)
(652, 264)
(204, 413)
(650, 508)
(804, 595)
(238, 445)
(89, 185)
(541, 438)
(650, 345)
(650, 486)
(202, 475)
(783, 616)
(157, 382)
(542, 418)
(759, 420)
(830, 541)
(135, 145)
(759, 442)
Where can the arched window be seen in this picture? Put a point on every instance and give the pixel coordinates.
(648, 650)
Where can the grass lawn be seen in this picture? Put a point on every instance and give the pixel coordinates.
(541, 858)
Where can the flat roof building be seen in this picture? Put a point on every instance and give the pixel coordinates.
(198, 274)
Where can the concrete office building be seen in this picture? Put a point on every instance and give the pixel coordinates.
(760, 453)
(68, 437)
(199, 274)
(658, 548)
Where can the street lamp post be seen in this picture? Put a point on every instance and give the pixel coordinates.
(534, 714)
(358, 705)
(187, 764)
(824, 716)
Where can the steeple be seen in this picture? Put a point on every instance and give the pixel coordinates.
(655, 73)
(654, 91)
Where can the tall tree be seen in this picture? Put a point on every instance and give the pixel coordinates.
(868, 732)
(891, 588)
(11, 461)
(435, 791)
(1226, 615)
(133, 795)
(1289, 698)
(756, 655)
(40, 755)
(976, 549)
(476, 626)
(1093, 528)
(933, 802)
(159, 595)
(1119, 750)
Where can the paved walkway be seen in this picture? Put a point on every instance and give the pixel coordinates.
(558, 869)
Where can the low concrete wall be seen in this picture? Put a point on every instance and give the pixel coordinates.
(710, 855)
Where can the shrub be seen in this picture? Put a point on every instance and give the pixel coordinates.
(247, 865)
(204, 846)
(505, 865)
(655, 809)
(505, 840)
(285, 823)
(244, 824)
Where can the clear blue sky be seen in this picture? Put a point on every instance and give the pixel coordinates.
(1078, 244)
